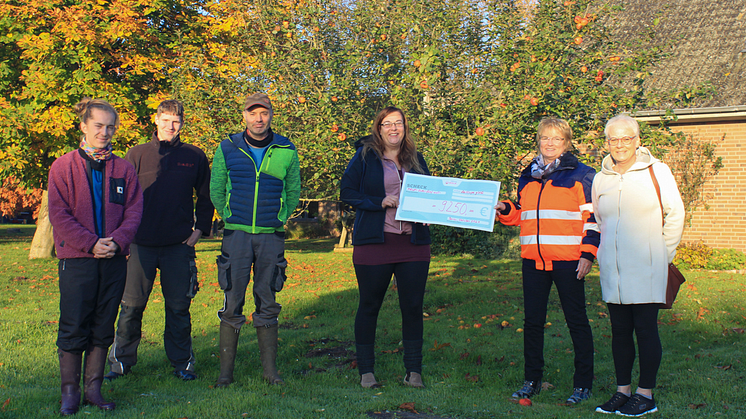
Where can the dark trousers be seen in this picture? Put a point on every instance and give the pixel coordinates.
(174, 263)
(642, 319)
(373, 281)
(536, 287)
(90, 290)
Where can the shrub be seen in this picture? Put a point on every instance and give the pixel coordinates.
(692, 255)
(726, 259)
(315, 228)
(502, 243)
(698, 255)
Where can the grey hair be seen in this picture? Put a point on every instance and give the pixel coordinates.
(622, 119)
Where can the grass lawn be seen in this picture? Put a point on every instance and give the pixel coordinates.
(473, 348)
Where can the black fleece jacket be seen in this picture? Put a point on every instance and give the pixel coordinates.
(170, 174)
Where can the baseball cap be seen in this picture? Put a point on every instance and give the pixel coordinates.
(257, 99)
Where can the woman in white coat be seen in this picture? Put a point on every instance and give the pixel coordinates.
(633, 257)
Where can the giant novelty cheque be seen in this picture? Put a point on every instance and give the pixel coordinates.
(465, 203)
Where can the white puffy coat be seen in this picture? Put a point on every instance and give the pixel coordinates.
(635, 250)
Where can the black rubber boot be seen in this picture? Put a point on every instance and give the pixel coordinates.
(95, 362)
(267, 339)
(70, 382)
(228, 347)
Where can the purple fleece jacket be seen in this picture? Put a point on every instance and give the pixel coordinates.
(71, 205)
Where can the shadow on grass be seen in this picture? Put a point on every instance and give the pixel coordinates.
(472, 361)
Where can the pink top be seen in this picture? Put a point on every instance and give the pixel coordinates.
(392, 179)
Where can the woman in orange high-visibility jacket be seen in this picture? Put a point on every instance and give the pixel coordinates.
(559, 238)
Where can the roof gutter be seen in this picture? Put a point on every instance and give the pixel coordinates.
(691, 115)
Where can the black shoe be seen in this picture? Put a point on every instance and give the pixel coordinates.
(615, 402)
(578, 395)
(637, 405)
(111, 375)
(185, 375)
(529, 389)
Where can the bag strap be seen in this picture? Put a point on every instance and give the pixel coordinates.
(658, 191)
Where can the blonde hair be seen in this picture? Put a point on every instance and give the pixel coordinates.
(86, 105)
(558, 124)
(408, 149)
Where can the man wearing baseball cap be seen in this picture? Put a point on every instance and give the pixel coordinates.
(255, 186)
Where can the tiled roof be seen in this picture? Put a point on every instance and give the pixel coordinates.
(709, 44)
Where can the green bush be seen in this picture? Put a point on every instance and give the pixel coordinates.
(502, 243)
(726, 259)
(698, 255)
(311, 228)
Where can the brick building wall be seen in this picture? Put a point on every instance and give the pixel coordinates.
(723, 223)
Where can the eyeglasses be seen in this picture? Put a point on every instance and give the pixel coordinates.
(389, 125)
(547, 140)
(623, 140)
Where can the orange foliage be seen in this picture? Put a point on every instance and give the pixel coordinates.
(15, 198)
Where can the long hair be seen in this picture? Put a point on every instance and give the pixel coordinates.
(408, 149)
(86, 105)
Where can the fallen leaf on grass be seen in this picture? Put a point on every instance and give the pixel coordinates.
(479, 359)
(472, 378)
(7, 402)
(546, 386)
(602, 315)
(737, 330)
(724, 367)
(464, 355)
(701, 312)
(437, 347)
(408, 406)
(697, 406)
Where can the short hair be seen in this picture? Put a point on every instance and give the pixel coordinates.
(171, 106)
(558, 124)
(84, 107)
(622, 119)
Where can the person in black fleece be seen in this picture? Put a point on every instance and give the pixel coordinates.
(170, 173)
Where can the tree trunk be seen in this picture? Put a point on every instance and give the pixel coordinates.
(43, 244)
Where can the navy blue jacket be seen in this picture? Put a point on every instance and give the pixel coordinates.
(363, 189)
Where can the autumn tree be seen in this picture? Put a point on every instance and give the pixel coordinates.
(15, 198)
(55, 52)
(473, 77)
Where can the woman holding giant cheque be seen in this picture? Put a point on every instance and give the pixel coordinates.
(559, 238)
(633, 257)
(95, 205)
(383, 245)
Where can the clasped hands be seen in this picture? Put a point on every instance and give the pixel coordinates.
(105, 248)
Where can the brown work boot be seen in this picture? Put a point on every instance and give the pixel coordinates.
(70, 382)
(95, 362)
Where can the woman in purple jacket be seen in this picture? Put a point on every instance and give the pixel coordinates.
(95, 205)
